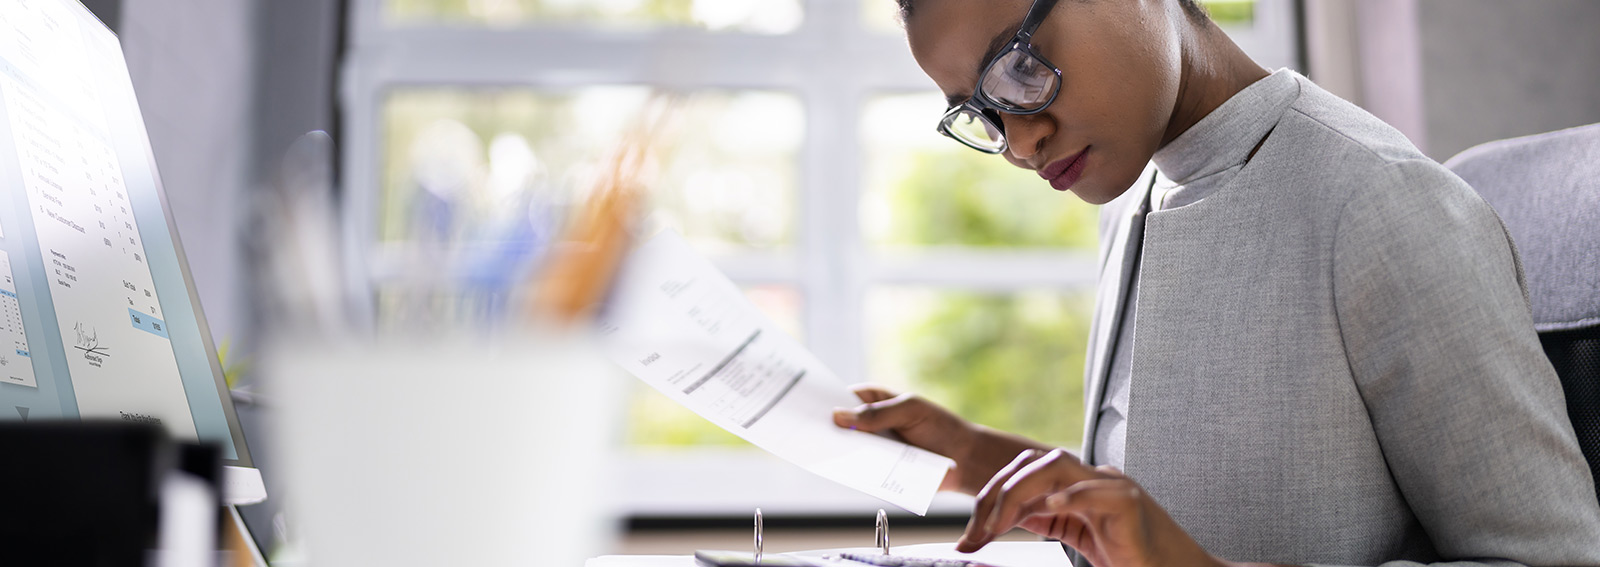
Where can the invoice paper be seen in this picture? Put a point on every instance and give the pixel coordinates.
(678, 324)
(118, 351)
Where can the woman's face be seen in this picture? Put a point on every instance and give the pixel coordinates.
(1119, 81)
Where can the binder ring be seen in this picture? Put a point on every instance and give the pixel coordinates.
(758, 535)
(883, 531)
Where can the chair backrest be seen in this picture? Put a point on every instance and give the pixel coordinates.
(1546, 189)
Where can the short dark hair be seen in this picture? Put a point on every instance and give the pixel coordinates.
(1190, 7)
(1194, 10)
(905, 10)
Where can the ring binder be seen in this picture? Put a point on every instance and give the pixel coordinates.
(712, 558)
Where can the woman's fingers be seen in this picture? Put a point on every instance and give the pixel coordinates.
(1051, 526)
(1012, 495)
(869, 393)
(1107, 517)
(1110, 509)
(1050, 473)
(865, 416)
(897, 412)
(977, 534)
(1093, 498)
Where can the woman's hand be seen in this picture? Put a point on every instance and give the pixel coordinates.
(1100, 512)
(979, 452)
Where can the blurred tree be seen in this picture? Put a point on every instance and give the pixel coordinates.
(959, 197)
(1231, 13)
(1014, 361)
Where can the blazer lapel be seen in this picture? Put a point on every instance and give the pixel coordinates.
(1117, 267)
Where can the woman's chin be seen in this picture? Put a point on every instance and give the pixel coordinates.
(1094, 193)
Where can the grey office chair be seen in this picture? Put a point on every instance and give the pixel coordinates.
(1546, 188)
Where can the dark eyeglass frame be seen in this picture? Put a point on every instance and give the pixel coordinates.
(987, 108)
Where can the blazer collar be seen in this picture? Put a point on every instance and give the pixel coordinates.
(1121, 256)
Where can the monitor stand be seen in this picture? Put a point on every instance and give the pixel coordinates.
(241, 485)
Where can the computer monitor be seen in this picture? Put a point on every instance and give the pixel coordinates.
(98, 314)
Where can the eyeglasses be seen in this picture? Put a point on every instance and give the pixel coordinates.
(1016, 81)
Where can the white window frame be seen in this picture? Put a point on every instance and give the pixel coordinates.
(833, 63)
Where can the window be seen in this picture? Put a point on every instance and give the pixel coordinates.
(811, 175)
(749, 16)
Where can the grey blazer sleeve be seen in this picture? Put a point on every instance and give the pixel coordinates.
(1467, 409)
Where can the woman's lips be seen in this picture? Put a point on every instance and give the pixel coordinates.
(1063, 173)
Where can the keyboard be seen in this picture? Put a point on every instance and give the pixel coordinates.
(903, 561)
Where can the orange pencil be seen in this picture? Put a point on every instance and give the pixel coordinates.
(580, 271)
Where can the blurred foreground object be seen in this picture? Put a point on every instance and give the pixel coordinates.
(577, 276)
(107, 493)
(456, 450)
(296, 251)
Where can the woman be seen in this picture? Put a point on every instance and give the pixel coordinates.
(1312, 342)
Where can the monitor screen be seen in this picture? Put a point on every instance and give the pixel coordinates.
(98, 314)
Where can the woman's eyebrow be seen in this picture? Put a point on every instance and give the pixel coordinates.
(999, 42)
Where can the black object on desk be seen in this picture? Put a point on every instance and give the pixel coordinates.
(87, 493)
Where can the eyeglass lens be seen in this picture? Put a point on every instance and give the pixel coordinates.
(975, 130)
(1020, 81)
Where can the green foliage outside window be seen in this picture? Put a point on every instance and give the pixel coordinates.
(1241, 13)
(958, 197)
(1012, 361)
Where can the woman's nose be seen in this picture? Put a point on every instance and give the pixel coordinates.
(1026, 134)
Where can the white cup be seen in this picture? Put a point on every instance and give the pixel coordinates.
(460, 451)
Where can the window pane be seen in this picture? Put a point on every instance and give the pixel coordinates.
(459, 163)
(477, 184)
(923, 189)
(1231, 13)
(748, 16)
(1009, 361)
(657, 421)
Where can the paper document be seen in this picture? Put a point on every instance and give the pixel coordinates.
(677, 323)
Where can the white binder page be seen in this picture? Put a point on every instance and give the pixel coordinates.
(681, 326)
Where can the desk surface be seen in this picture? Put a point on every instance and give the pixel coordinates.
(1000, 553)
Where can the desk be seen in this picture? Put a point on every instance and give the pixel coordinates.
(1000, 553)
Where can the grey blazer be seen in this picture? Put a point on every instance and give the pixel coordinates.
(1335, 362)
